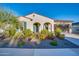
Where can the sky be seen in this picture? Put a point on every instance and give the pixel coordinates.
(59, 11)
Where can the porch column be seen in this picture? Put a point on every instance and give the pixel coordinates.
(70, 28)
(52, 27)
(40, 27)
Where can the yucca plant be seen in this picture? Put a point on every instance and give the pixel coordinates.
(17, 37)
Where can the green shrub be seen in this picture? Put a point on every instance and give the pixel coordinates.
(27, 33)
(61, 36)
(54, 43)
(44, 31)
(21, 44)
(45, 34)
(57, 32)
(33, 36)
(42, 36)
(50, 35)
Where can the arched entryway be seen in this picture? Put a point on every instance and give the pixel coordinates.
(48, 26)
(36, 27)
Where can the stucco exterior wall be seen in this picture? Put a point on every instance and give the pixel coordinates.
(36, 18)
(29, 23)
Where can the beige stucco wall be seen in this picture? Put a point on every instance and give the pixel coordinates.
(36, 18)
(29, 23)
(33, 18)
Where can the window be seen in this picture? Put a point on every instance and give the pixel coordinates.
(24, 25)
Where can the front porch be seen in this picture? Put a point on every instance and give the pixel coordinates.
(37, 27)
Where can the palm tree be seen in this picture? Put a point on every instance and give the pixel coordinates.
(7, 18)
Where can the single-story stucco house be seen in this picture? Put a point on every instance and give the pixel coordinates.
(37, 22)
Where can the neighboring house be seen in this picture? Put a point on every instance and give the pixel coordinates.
(37, 22)
(75, 28)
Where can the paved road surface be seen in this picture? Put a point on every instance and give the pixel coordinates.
(38, 52)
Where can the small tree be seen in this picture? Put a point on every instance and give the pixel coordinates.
(8, 18)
